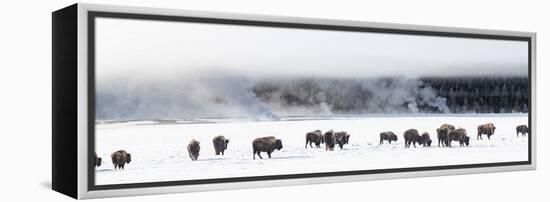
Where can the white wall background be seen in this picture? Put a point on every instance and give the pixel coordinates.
(25, 104)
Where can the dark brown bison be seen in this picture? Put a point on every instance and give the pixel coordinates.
(425, 139)
(330, 140)
(314, 137)
(523, 129)
(97, 161)
(265, 144)
(220, 144)
(411, 136)
(449, 126)
(458, 135)
(120, 158)
(487, 129)
(193, 148)
(442, 134)
(341, 138)
(389, 136)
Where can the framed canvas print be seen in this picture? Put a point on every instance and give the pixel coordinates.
(149, 101)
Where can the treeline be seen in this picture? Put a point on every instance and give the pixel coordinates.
(397, 95)
(483, 94)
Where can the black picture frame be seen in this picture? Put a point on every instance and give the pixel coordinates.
(64, 93)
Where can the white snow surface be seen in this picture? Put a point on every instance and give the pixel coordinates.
(159, 153)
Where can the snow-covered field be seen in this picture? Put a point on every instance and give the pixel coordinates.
(159, 152)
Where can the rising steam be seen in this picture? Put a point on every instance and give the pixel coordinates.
(263, 99)
(350, 96)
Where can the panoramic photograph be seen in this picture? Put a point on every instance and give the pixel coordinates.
(178, 101)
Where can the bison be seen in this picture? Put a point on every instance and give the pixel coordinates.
(120, 158)
(389, 136)
(193, 148)
(314, 137)
(97, 161)
(411, 136)
(425, 139)
(458, 135)
(523, 129)
(487, 129)
(265, 144)
(442, 134)
(330, 140)
(449, 126)
(220, 144)
(341, 138)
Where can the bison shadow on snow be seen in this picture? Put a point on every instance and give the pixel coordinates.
(292, 157)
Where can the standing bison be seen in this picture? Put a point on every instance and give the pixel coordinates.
(425, 139)
(220, 144)
(193, 148)
(442, 134)
(389, 136)
(458, 135)
(341, 138)
(265, 144)
(330, 140)
(97, 161)
(523, 129)
(449, 126)
(487, 129)
(411, 136)
(314, 137)
(120, 158)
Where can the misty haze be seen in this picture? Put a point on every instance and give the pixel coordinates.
(177, 70)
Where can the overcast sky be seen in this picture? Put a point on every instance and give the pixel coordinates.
(143, 47)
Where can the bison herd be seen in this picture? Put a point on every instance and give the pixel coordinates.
(329, 138)
(412, 136)
(446, 134)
